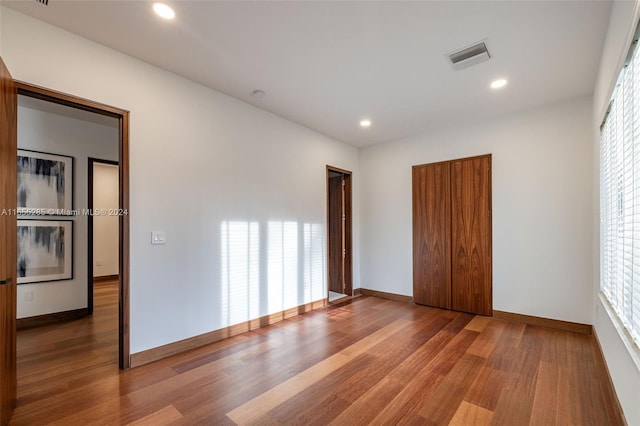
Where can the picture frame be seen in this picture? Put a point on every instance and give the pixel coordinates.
(45, 183)
(45, 250)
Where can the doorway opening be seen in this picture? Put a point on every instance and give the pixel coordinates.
(57, 101)
(339, 234)
(102, 226)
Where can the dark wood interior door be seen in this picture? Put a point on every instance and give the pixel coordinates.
(8, 237)
(335, 243)
(471, 235)
(431, 235)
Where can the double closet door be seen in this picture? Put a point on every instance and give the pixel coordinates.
(452, 235)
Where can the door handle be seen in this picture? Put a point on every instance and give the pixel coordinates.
(5, 282)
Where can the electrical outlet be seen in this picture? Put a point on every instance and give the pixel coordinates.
(28, 295)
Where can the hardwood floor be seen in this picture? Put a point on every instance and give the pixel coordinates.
(365, 361)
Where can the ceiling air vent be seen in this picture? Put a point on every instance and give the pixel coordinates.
(468, 56)
(45, 2)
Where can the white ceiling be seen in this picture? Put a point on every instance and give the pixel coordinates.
(327, 65)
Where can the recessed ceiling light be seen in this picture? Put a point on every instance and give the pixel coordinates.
(497, 84)
(163, 11)
(365, 123)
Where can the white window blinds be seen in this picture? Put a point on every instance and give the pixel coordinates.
(620, 199)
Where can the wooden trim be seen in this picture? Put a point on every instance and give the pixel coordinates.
(348, 239)
(60, 98)
(8, 247)
(39, 320)
(357, 292)
(385, 295)
(90, 277)
(122, 115)
(105, 278)
(544, 322)
(338, 170)
(156, 354)
(123, 315)
(598, 355)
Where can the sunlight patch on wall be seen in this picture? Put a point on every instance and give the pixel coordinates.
(314, 266)
(269, 268)
(282, 265)
(240, 270)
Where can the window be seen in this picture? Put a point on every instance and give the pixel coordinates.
(620, 199)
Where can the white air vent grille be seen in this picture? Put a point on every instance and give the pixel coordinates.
(470, 55)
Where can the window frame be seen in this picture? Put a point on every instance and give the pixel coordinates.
(626, 323)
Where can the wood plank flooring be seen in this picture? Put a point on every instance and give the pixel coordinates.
(365, 361)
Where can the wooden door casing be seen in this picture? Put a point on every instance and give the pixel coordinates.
(348, 235)
(339, 231)
(471, 287)
(8, 242)
(56, 97)
(431, 235)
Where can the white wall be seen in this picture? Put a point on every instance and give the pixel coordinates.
(619, 352)
(105, 227)
(57, 134)
(1, 9)
(541, 163)
(200, 161)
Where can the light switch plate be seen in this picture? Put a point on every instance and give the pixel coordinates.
(157, 237)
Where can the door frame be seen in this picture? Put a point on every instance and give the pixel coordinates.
(348, 243)
(8, 261)
(91, 162)
(122, 116)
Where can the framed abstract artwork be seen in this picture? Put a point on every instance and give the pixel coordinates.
(45, 250)
(45, 183)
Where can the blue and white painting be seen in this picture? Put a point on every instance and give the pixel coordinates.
(44, 181)
(44, 250)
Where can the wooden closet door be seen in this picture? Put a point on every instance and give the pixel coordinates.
(471, 235)
(431, 235)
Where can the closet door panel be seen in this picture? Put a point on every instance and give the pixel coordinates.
(471, 235)
(431, 235)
